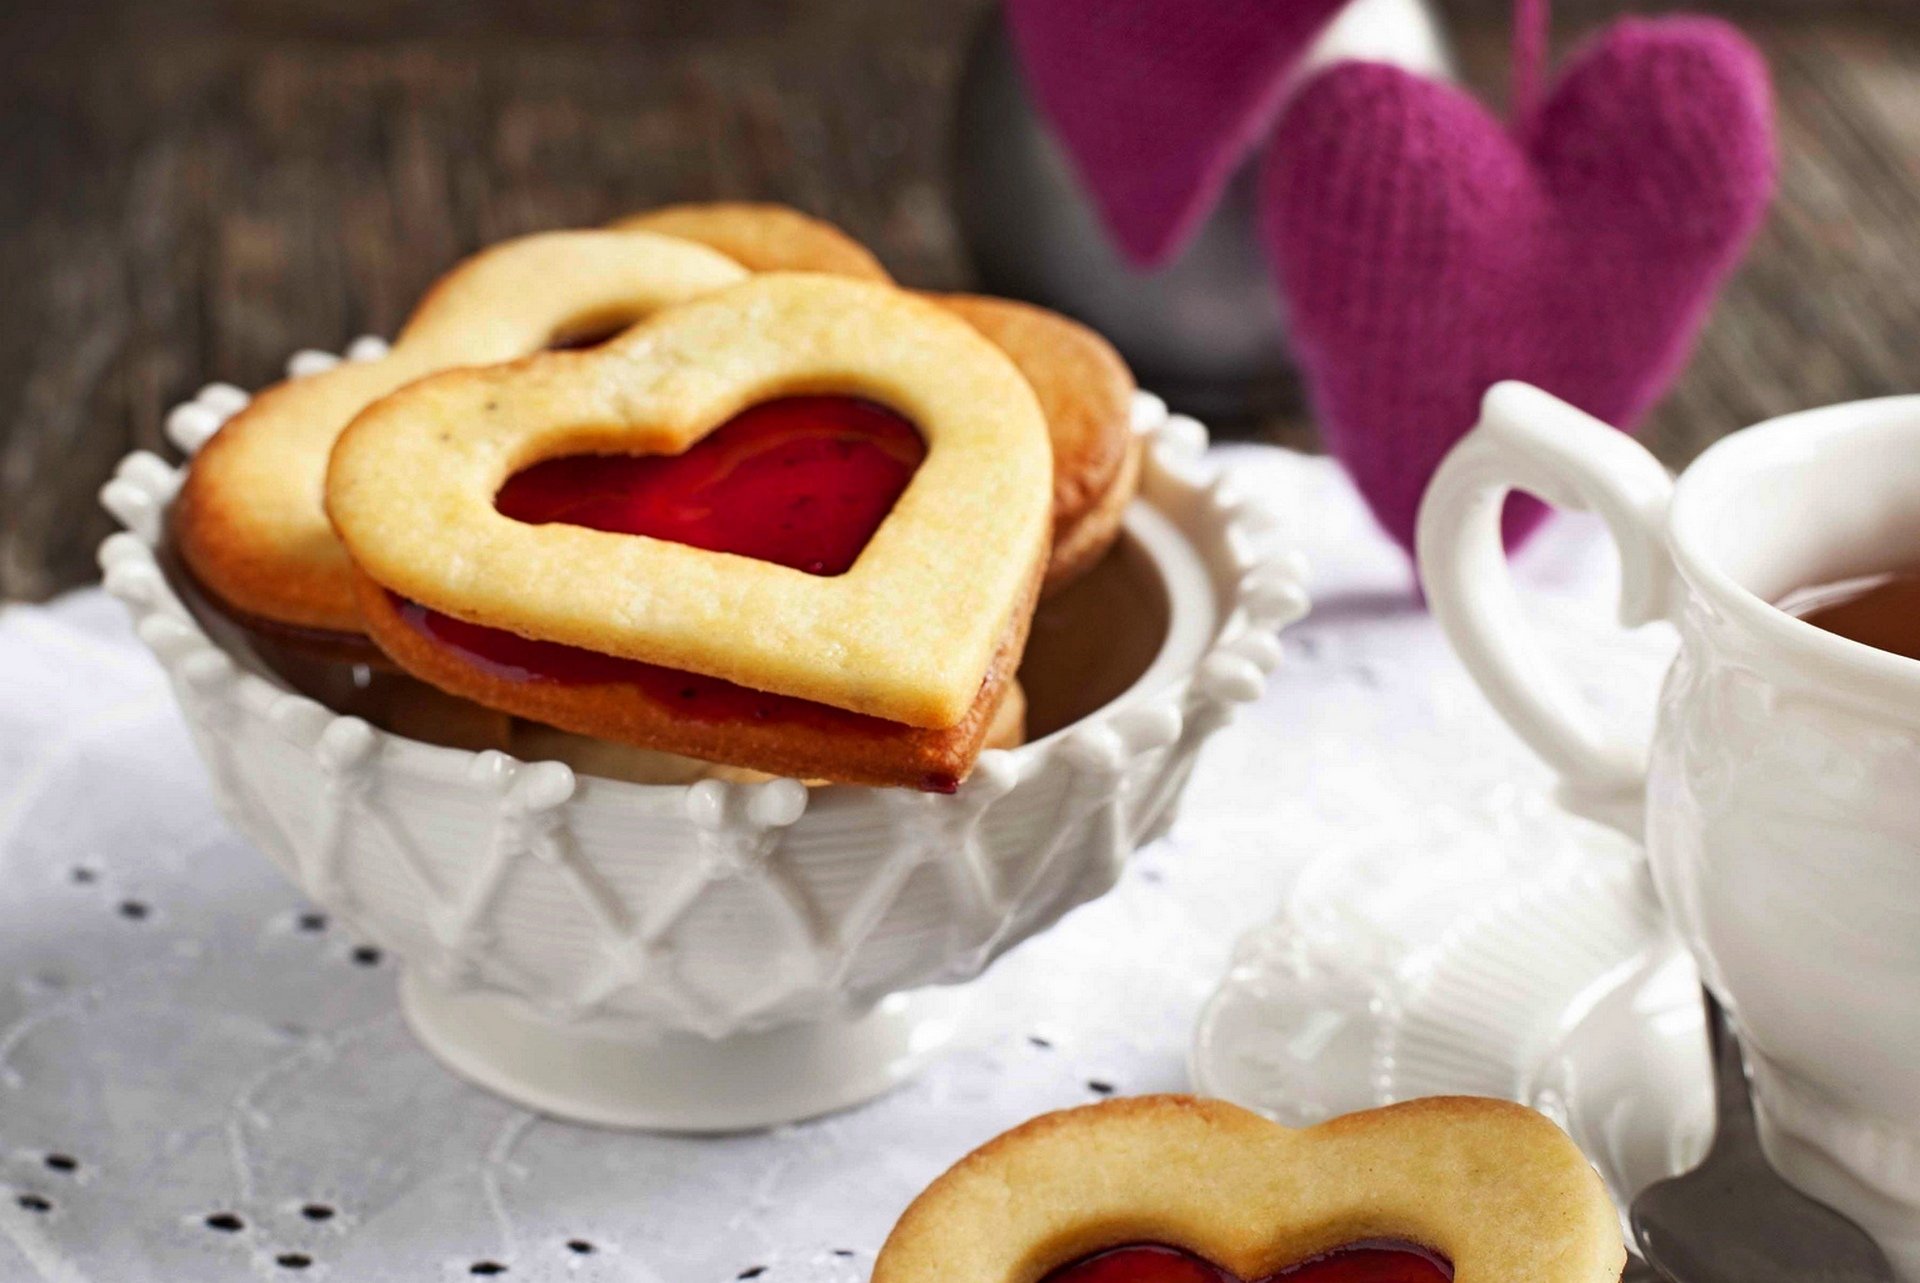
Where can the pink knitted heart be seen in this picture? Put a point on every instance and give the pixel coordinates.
(1426, 253)
(1159, 101)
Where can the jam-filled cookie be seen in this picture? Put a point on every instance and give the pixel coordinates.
(797, 526)
(248, 522)
(1086, 392)
(763, 237)
(1170, 1189)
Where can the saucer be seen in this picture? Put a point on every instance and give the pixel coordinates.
(1554, 982)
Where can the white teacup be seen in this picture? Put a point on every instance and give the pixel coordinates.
(1781, 798)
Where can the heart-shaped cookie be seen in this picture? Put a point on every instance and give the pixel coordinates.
(909, 634)
(1426, 252)
(249, 522)
(1201, 1192)
(800, 481)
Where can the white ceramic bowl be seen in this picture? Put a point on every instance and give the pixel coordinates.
(717, 955)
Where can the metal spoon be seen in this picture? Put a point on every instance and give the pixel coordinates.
(1732, 1219)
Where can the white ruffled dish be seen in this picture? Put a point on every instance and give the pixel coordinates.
(1531, 964)
(718, 955)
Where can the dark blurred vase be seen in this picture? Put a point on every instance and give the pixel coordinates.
(1206, 330)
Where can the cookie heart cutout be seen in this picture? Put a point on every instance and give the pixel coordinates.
(907, 633)
(249, 520)
(802, 482)
(1202, 1192)
(1426, 252)
(1157, 1263)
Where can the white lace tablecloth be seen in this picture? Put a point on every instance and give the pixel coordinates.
(202, 1079)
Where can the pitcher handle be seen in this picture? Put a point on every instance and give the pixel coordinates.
(1529, 440)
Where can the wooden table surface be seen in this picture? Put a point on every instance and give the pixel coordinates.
(192, 189)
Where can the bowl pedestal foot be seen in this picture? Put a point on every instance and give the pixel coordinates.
(674, 1081)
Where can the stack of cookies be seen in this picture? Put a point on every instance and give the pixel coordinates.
(702, 494)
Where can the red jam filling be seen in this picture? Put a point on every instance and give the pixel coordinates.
(803, 481)
(514, 658)
(1159, 1263)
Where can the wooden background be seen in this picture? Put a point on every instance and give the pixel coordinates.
(192, 189)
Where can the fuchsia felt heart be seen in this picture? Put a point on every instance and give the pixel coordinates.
(1426, 251)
